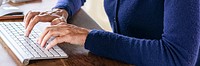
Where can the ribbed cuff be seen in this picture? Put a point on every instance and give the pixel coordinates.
(90, 40)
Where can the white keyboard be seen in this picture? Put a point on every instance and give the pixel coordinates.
(26, 48)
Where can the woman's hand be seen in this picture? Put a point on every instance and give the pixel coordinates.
(55, 16)
(63, 32)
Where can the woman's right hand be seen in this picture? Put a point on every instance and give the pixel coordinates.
(55, 16)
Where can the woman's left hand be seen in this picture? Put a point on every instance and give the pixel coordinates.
(63, 32)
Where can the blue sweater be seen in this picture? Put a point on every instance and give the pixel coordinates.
(146, 32)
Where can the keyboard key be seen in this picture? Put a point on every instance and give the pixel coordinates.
(14, 38)
(38, 49)
(22, 47)
(30, 49)
(34, 40)
(42, 54)
(58, 49)
(18, 42)
(53, 52)
(24, 43)
(48, 53)
(62, 53)
(34, 46)
(31, 37)
(35, 54)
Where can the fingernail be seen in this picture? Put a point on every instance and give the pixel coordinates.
(41, 45)
(47, 47)
(25, 34)
(38, 41)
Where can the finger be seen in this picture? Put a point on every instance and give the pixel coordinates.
(29, 17)
(30, 26)
(43, 35)
(53, 43)
(55, 21)
(46, 38)
(42, 13)
(62, 23)
(26, 16)
(63, 18)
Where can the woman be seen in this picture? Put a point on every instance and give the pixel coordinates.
(146, 32)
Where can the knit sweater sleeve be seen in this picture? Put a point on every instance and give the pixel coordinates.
(178, 46)
(72, 6)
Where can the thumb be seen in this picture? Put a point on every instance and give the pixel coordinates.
(58, 20)
(55, 21)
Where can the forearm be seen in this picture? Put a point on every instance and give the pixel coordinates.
(179, 45)
(142, 52)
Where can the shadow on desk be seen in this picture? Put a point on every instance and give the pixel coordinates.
(78, 56)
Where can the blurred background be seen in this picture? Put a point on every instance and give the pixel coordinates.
(95, 9)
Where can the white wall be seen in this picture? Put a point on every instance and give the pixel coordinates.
(95, 9)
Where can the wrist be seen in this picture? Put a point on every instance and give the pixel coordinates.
(62, 12)
(86, 35)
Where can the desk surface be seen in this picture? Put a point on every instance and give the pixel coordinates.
(78, 56)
